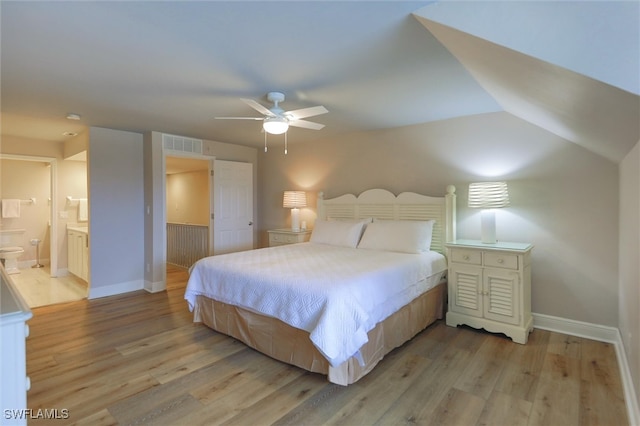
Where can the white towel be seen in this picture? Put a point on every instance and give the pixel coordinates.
(10, 208)
(83, 210)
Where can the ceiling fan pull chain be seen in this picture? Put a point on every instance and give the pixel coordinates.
(265, 141)
(285, 143)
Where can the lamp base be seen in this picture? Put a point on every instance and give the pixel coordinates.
(295, 220)
(488, 226)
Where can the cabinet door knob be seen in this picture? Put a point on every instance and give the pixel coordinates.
(465, 257)
(500, 260)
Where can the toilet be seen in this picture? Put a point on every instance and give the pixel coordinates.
(9, 257)
(10, 251)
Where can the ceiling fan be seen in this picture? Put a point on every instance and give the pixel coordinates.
(276, 120)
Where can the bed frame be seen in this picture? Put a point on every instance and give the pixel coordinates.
(382, 204)
(293, 346)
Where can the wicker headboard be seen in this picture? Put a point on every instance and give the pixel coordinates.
(382, 204)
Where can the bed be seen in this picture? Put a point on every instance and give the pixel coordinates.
(372, 276)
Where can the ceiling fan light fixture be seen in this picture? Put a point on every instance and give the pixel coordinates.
(275, 125)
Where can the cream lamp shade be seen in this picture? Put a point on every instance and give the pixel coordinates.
(488, 196)
(294, 200)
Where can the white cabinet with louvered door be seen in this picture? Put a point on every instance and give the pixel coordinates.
(490, 287)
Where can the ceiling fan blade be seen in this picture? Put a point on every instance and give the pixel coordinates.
(306, 124)
(239, 118)
(297, 114)
(258, 107)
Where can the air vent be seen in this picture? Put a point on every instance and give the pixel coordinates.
(181, 144)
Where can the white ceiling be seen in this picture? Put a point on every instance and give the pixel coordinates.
(173, 66)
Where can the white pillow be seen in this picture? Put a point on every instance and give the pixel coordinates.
(405, 236)
(337, 233)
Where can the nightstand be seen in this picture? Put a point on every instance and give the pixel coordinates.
(490, 287)
(280, 237)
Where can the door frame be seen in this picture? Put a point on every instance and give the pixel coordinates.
(194, 156)
(53, 207)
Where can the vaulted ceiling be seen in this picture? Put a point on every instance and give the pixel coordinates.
(569, 67)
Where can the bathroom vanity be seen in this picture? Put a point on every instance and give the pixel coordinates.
(78, 251)
(14, 313)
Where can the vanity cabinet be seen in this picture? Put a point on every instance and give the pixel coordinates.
(78, 253)
(490, 287)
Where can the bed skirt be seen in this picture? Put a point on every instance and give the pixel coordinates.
(291, 345)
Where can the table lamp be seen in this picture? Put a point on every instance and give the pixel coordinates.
(294, 200)
(488, 196)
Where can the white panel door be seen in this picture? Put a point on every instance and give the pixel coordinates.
(232, 206)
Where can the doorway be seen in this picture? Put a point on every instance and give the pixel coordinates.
(224, 204)
(187, 209)
(47, 199)
(36, 180)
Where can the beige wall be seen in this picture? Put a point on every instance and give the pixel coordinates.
(24, 180)
(188, 197)
(564, 199)
(629, 290)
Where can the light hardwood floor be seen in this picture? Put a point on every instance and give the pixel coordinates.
(139, 359)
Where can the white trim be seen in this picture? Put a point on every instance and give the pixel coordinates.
(600, 333)
(115, 289)
(154, 287)
(162, 231)
(597, 332)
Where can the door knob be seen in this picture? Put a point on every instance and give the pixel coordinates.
(250, 223)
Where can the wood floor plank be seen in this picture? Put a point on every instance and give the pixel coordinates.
(501, 406)
(458, 408)
(243, 401)
(597, 407)
(100, 418)
(319, 408)
(151, 399)
(557, 399)
(172, 412)
(566, 345)
(139, 359)
(520, 375)
(373, 401)
(280, 401)
(485, 367)
(417, 404)
(601, 385)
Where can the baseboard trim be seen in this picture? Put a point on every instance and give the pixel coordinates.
(603, 334)
(114, 289)
(155, 287)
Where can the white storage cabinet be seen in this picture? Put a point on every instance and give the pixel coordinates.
(490, 287)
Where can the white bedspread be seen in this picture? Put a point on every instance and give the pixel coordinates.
(337, 294)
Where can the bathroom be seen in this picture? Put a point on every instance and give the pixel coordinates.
(26, 225)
